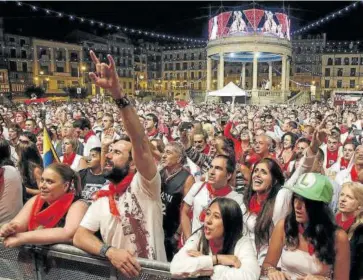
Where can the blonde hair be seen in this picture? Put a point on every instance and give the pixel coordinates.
(73, 142)
(209, 129)
(357, 190)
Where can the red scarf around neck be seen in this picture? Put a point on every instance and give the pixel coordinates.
(354, 174)
(345, 224)
(254, 206)
(206, 149)
(68, 159)
(214, 248)
(113, 190)
(311, 248)
(152, 133)
(332, 158)
(213, 193)
(88, 135)
(50, 216)
(343, 163)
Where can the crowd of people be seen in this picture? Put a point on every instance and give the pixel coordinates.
(273, 192)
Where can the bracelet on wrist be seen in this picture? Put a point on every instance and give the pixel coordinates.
(267, 270)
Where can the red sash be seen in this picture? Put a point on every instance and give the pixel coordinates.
(213, 193)
(49, 217)
(343, 164)
(332, 158)
(118, 189)
(88, 135)
(206, 150)
(311, 248)
(255, 207)
(68, 159)
(346, 224)
(354, 174)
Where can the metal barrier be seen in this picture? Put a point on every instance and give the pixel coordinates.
(65, 262)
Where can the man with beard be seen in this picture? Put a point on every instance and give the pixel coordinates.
(200, 143)
(129, 211)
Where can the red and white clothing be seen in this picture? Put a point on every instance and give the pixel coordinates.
(140, 226)
(199, 199)
(75, 163)
(347, 175)
(331, 157)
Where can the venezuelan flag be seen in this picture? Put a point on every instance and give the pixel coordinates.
(49, 154)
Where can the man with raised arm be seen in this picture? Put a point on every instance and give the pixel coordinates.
(128, 212)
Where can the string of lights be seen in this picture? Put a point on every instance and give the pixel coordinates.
(105, 25)
(327, 18)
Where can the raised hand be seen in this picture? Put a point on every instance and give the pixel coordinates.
(106, 76)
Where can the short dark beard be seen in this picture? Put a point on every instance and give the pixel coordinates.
(117, 174)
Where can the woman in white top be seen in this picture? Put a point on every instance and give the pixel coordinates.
(218, 248)
(307, 242)
(69, 157)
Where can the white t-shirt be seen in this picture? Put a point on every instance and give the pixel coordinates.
(92, 142)
(75, 163)
(198, 197)
(11, 194)
(141, 227)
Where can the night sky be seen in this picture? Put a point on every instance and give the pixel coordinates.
(172, 17)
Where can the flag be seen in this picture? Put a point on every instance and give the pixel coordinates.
(49, 154)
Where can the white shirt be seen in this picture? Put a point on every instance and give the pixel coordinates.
(199, 199)
(91, 143)
(11, 194)
(343, 176)
(187, 266)
(75, 164)
(141, 227)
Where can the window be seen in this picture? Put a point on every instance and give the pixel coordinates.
(60, 69)
(23, 54)
(61, 84)
(339, 84)
(327, 72)
(74, 57)
(13, 66)
(177, 66)
(340, 72)
(199, 75)
(124, 85)
(178, 76)
(327, 83)
(25, 67)
(354, 60)
(74, 72)
(185, 65)
(352, 72)
(361, 61)
(330, 61)
(11, 39)
(192, 75)
(200, 85)
(2, 77)
(346, 61)
(185, 56)
(185, 75)
(338, 61)
(352, 83)
(13, 53)
(130, 85)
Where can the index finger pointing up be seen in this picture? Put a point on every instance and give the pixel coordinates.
(94, 57)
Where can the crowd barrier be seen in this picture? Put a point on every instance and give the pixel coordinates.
(65, 262)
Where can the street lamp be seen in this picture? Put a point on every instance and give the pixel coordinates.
(41, 73)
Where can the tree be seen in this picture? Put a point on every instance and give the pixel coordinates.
(34, 91)
(73, 92)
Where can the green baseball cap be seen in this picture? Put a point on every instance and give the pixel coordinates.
(314, 186)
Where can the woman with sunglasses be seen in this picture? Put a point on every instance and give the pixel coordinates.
(218, 249)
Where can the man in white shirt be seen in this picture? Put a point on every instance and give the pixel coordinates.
(129, 211)
(201, 193)
(83, 130)
(107, 124)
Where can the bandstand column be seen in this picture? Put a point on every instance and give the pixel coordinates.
(254, 70)
(270, 75)
(287, 86)
(221, 71)
(283, 74)
(243, 75)
(209, 73)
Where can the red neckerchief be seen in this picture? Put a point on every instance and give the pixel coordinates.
(206, 149)
(68, 159)
(113, 189)
(152, 133)
(354, 174)
(88, 135)
(332, 158)
(343, 163)
(214, 248)
(311, 248)
(344, 224)
(212, 194)
(49, 217)
(255, 207)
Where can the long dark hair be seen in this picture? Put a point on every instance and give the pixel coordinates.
(232, 223)
(5, 153)
(320, 230)
(29, 159)
(264, 218)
